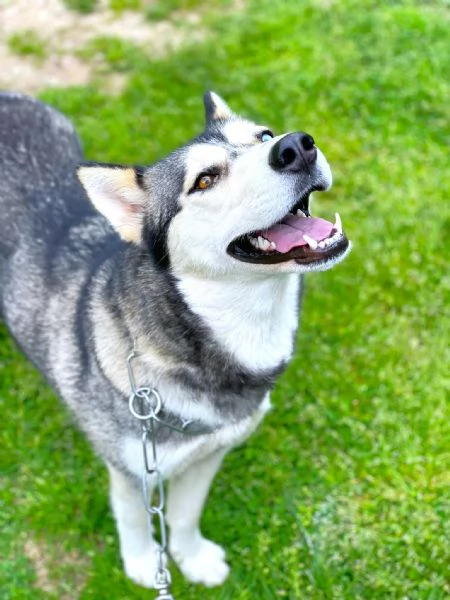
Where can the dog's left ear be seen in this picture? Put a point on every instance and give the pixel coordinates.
(216, 108)
(118, 194)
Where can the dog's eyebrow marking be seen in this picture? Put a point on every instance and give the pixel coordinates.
(242, 133)
(201, 157)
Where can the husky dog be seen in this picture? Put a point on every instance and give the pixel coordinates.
(196, 261)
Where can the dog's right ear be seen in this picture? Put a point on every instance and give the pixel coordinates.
(216, 108)
(117, 192)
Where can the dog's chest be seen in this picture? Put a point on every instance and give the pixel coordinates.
(176, 456)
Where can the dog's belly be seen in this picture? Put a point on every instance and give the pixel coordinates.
(175, 458)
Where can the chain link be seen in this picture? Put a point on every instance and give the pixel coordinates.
(145, 404)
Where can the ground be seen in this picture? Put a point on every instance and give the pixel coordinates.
(343, 491)
(62, 38)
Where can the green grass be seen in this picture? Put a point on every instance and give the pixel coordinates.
(81, 6)
(343, 492)
(159, 10)
(28, 43)
(114, 54)
(120, 5)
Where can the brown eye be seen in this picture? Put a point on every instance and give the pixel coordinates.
(205, 181)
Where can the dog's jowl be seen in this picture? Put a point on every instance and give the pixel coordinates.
(195, 261)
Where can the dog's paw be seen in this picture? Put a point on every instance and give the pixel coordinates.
(142, 569)
(204, 564)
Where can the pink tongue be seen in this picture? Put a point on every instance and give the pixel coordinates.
(289, 233)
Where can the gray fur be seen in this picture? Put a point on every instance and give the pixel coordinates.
(79, 288)
(60, 261)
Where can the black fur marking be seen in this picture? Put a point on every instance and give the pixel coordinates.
(93, 163)
(139, 173)
(156, 243)
(164, 184)
(212, 135)
(210, 107)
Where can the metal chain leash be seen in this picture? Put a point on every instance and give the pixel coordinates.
(145, 404)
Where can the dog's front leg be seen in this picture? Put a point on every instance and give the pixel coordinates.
(199, 559)
(136, 546)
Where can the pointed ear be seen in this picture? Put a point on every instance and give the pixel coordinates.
(216, 108)
(117, 193)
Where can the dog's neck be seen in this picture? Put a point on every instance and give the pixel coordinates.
(254, 318)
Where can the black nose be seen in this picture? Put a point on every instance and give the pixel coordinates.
(294, 152)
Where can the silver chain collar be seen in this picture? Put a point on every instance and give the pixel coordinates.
(146, 405)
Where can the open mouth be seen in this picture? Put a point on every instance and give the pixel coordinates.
(298, 236)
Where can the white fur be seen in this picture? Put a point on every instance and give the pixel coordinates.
(199, 559)
(251, 309)
(242, 132)
(200, 157)
(221, 108)
(253, 317)
(137, 549)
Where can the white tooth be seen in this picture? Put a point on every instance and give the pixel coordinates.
(312, 243)
(254, 242)
(322, 244)
(338, 224)
(300, 213)
(272, 246)
(263, 243)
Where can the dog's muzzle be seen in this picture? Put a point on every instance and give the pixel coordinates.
(296, 236)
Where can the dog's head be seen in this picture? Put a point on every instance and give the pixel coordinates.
(236, 198)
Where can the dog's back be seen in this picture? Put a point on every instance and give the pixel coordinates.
(38, 151)
(43, 207)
